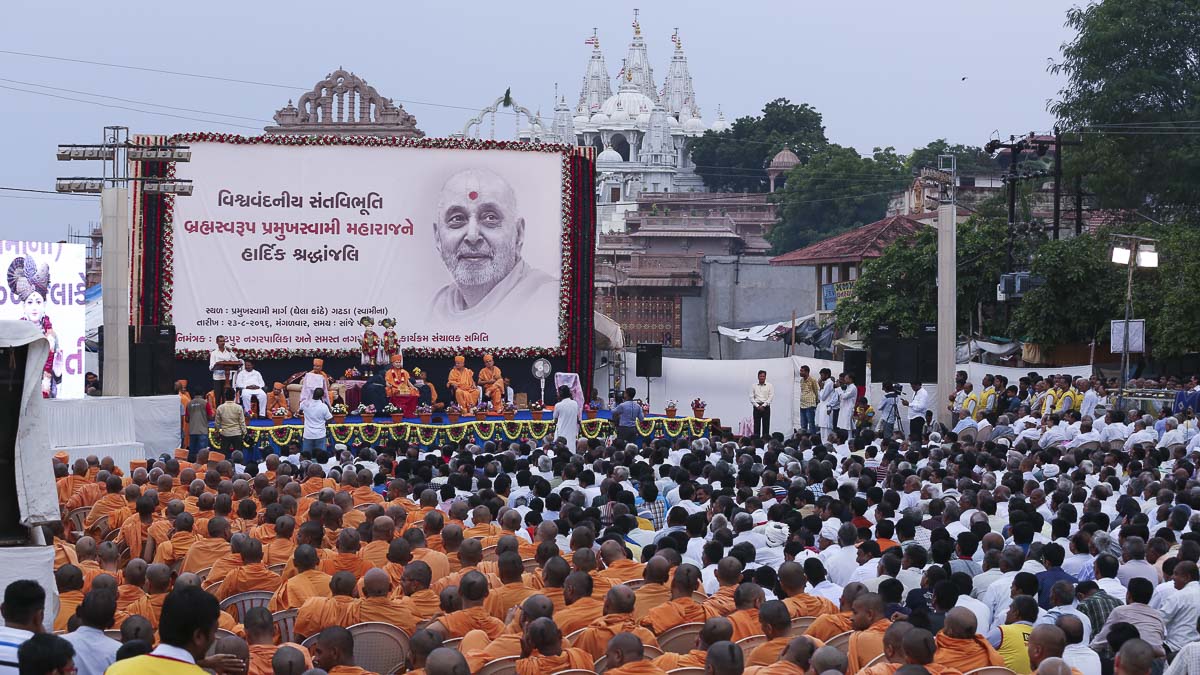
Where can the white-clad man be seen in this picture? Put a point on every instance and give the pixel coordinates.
(1086, 434)
(219, 355)
(1173, 434)
(1090, 398)
(1142, 433)
(916, 409)
(762, 393)
(250, 382)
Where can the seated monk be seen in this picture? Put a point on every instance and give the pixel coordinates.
(716, 629)
(893, 652)
(334, 652)
(470, 554)
(682, 608)
(64, 551)
(417, 598)
(479, 650)
(554, 578)
(347, 558)
(582, 608)
(308, 582)
(801, 656)
(253, 575)
(313, 534)
(618, 567)
(510, 522)
(398, 557)
(276, 399)
(88, 556)
(512, 590)
(135, 528)
(793, 581)
(439, 564)
(775, 622)
(318, 612)
(542, 651)
(617, 617)
(492, 381)
(112, 505)
(225, 620)
(69, 580)
(363, 491)
(869, 624)
(423, 643)
(918, 647)
(230, 561)
(376, 604)
(176, 547)
(474, 591)
(158, 585)
(655, 591)
(205, 552)
(280, 548)
(1056, 666)
(68, 484)
(506, 543)
(260, 636)
(483, 527)
(729, 575)
(134, 581)
(91, 492)
(828, 625)
(626, 656)
(461, 383)
(960, 647)
(584, 560)
(747, 599)
(383, 530)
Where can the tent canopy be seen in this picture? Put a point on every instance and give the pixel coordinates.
(608, 333)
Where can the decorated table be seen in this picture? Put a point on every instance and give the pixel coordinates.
(440, 430)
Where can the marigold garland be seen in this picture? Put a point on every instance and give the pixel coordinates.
(167, 273)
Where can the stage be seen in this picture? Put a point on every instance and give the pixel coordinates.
(495, 428)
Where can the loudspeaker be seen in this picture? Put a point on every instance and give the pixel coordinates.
(883, 353)
(12, 385)
(927, 353)
(649, 360)
(854, 362)
(152, 361)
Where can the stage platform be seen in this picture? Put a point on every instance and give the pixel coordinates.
(440, 430)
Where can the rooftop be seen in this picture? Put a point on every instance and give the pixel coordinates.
(856, 245)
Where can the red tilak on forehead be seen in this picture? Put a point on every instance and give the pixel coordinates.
(473, 195)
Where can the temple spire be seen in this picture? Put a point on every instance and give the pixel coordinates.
(678, 96)
(637, 63)
(596, 85)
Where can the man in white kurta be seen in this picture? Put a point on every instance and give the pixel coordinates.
(250, 382)
(315, 379)
(847, 394)
(825, 400)
(219, 355)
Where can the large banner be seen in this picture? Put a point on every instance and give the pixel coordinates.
(290, 249)
(44, 284)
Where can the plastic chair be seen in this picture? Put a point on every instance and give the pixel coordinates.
(876, 660)
(310, 642)
(77, 517)
(531, 565)
(575, 671)
(681, 639)
(990, 670)
(800, 624)
(221, 633)
(214, 587)
(570, 639)
(277, 568)
(1089, 446)
(506, 665)
(841, 641)
(114, 633)
(380, 647)
(285, 624)
(490, 555)
(244, 602)
(203, 574)
(651, 652)
(635, 584)
(452, 643)
(686, 671)
(749, 644)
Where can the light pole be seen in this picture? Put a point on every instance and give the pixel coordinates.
(1132, 251)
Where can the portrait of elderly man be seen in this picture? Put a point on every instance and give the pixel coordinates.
(479, 233)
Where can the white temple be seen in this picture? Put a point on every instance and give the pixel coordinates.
(640, 132)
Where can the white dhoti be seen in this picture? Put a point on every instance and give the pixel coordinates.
(249, 395)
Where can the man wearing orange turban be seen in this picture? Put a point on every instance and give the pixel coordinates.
(314, 379)
(492, 381)
(277, 398)
(462, 384)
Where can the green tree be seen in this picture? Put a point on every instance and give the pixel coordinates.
(971, 160)
(1082, 292)
(735, 160)
(836, 190)
(1133, 72)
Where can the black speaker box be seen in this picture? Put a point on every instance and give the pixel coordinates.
(649, 360)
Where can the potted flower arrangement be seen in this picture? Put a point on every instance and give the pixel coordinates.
(480, 412)
(698, 406)
(425, 413)
(351, 373)
(339, 411)
(453, 412)
(671, 408)
(536, 410)
(509, 411)
(278, 415)
(388, 411)
(367, 412)
(589, 412)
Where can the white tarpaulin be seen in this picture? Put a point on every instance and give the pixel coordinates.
(288, 247)
(762, 333)
(37, 496)
(724, 385)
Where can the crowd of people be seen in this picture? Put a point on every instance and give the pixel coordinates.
(920, 550)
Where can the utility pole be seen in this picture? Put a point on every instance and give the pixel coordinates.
(1015, 147)
(1057, 178)
(947, 281)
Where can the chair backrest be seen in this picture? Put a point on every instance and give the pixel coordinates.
(749, 644)
(635, 584)
(77, 517)
(841, 641)
(244, 602)
(1176, 446)
(990, 670)
(651, 652)
(985, 435)
(967, 436)
(213, 587)
(506, 665)
(362, 507)
(285, 624)
(203, 574)
(575, 671)
(489, 554)
(221, 633)
(277, 568)
(1114, 445)
(686, 671)
(114, 633)
(570, 639)
(531, 565)
(800, 624)
(310, 642)
(452, 643)
(380, 647)
(876, 660)
(680, 639)
(1089, 446)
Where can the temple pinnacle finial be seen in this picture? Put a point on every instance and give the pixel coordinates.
(637, 27)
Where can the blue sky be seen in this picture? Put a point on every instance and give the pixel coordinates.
(881, 73)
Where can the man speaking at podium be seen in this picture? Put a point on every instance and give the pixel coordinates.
(216, 360)
(479, 234)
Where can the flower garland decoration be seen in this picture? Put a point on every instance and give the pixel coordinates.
(565, 314)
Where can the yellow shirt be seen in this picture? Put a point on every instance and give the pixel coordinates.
(1014, 641)
(150, 664)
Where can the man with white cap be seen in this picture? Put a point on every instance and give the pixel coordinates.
(479, 234)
